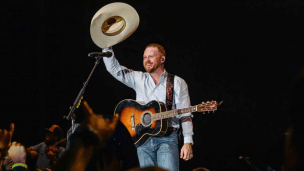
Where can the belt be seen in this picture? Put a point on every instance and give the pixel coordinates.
(171, 129)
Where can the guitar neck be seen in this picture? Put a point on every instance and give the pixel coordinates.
(59, 142)
(172, 113)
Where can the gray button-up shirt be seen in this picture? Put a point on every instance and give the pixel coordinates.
(43, 161)
(146, 90)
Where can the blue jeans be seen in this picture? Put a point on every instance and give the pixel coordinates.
(160, 151)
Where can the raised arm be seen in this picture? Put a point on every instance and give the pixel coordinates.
(95, 133)
(121, 73)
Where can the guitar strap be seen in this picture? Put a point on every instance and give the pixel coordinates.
(170, 101)
(170, 90)
(169, 97)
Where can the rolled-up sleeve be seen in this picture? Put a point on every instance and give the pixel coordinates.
(182, 100)
(37, 147)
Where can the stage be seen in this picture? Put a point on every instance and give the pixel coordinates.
(247, 54)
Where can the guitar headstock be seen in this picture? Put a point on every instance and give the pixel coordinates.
(207, 107)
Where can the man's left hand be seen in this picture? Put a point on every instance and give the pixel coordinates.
(51, 156)
(186, 152)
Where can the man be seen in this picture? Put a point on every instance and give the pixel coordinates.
(48, 158)
(151, 85)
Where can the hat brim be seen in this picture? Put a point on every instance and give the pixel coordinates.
(127, 12)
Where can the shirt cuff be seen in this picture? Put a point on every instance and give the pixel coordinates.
(188, 139)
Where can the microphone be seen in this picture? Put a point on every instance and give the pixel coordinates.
(100, 54)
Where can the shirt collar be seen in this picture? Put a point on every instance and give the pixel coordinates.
(164, 74)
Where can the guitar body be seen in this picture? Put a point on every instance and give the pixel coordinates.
(136, 118)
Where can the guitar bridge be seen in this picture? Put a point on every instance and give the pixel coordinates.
(132, 122)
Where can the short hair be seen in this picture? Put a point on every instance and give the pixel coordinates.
(159, 47)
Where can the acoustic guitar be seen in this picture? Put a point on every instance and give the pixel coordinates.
(145, 120)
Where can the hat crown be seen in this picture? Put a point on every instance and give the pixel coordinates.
(113, 26)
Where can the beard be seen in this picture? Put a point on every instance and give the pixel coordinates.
(152, 67)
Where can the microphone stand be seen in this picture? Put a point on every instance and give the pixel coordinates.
(77, 101)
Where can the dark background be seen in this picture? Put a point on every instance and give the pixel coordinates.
(247, 54)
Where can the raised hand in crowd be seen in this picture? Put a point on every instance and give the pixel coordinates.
(17, 153)
(13, 153)
(5, 140)
(104, 128)
(96, 132)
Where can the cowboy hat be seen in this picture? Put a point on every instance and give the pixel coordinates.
(113, 23)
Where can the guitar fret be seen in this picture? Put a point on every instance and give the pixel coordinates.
(168, 114)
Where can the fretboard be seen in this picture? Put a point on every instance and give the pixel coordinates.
(172, 113)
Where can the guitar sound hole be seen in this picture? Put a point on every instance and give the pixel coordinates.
(146, 119)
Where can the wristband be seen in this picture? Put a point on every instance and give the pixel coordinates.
(19, 164)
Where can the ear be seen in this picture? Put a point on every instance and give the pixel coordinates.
(163, 59)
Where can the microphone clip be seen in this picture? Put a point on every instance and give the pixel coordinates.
(100, 54)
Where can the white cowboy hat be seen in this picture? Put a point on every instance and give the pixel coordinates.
(113, 23)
